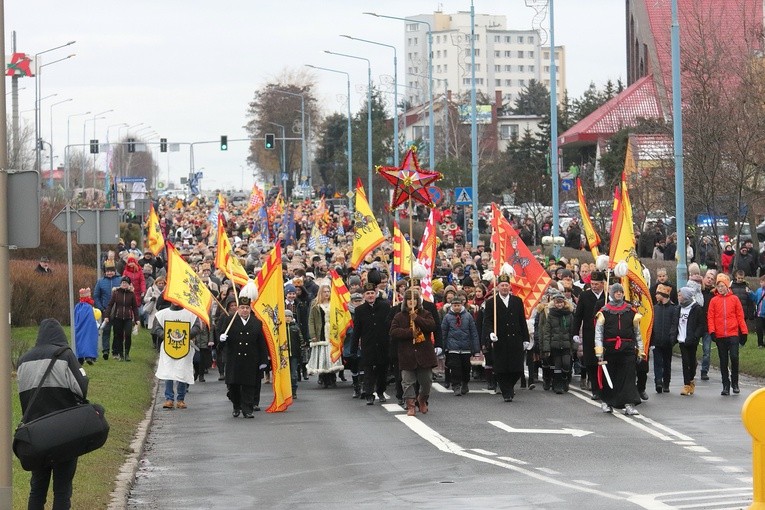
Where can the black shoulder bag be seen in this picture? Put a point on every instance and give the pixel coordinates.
(61, 435)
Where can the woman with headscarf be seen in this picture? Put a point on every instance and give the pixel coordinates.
(417, 356)
(318, 331)
(617, 343)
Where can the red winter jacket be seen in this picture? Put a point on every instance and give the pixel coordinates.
(725, 317)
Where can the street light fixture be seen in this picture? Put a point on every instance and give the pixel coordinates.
(350, 138)
(50, 176)
(395, 92)
(38, 120)
(37, 95)
(431, 127)
(370, 195)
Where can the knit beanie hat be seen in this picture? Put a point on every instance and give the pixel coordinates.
(685, 295)
(724, 278)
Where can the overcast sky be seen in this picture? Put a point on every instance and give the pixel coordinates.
(188, 68)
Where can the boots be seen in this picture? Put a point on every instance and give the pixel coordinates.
(423, 401)
(491, 382)
(410, 410)
(342, 375)
(686, 391)
(356, 387)
(692, 386)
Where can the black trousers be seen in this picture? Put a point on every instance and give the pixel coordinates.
(243, 396)
(688, 355)
(123, 329)
(375, 379)
(507, 382)
(459, 367)
(760, 329)
(63, 474)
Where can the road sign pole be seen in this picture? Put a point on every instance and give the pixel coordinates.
(70, 272)
(98, 244)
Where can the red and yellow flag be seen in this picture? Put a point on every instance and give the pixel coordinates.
(269, 308)
(366, 232)
(402, 252)
(623, 249)
(427, 256)
(221, 202)
(339, 315)
(225, 260)
(593, 239)
(530, 279)
(185, 288)
(155, 241)
(257, 198)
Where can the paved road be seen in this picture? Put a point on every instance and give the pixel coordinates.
(331, 451)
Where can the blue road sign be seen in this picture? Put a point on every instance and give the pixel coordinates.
(463, 196)
(567, 184)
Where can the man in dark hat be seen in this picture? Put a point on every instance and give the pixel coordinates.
(590, 303)
(43, 267)
(371, 329)
(505, 334)
(246, 358)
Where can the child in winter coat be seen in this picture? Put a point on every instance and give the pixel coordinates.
(460, 336)
(557, 340)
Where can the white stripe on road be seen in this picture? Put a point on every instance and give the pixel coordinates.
(514, 461)
(712, 459)
(731, 469)
(439, 388)
(483, 452)
(587, 483)
(448, 446)
(393, 408)
(548, 471)
(697, 449)
(666, 429)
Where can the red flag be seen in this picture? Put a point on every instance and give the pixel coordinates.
(530, 279)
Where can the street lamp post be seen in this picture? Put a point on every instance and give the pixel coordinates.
(350, 138)
(50, 176)
(37, 107)
(303, 151)
(431, 127)
(395, 93)
(284, 152)
(370, 193)
(37, 97)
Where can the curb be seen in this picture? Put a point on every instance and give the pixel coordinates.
(127, 472)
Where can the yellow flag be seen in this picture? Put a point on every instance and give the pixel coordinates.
(366, 232)
(593, 239)
(178, 204)
(623, 249)
(225, 260)
(155, 241)
(269, 308)
(184, 288)
(402, 252)
(339, 315)
(194, 203)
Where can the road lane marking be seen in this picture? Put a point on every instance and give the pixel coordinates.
(731, 469)
(567, 431)
(483, 452)
(669, 430)
(587, 483)
(448, 446)
(516, 461)
(712, 459)
(548, 471)
(393, 408)
(439, 388)
(697, 449)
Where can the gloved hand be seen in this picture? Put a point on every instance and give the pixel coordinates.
(526, 346)
(600, 357)
(577, 339)
(223, 337)
(262, 367)
(493, 337)
(641, 357)
(439, 351)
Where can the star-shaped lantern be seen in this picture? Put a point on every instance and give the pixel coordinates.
(409, 180)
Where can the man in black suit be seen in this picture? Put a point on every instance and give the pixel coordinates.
(590, 303)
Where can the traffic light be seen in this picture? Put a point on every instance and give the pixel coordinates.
(269, 140)
(40, 144)
(224, 143)
(163, 145)
(94, 146)
(131, 144)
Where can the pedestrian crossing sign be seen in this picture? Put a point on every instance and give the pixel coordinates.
(463, 196)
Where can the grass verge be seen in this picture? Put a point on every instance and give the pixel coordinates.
(124, 389)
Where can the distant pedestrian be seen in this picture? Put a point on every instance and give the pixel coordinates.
(692, 326)
(725, 320)
(86, 318)
(460, 336)
(177, 328)
(43, 267)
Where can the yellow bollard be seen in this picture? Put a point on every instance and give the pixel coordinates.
(753, 416)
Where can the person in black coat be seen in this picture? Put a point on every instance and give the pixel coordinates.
(506, 336)
(246, 358)
(692, 326)
(663, 337)
(371, 328)
(590, 303)
(66, 386)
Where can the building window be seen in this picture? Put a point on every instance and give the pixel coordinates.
(530, 54)
(509, 69)
(438, 39)
(508, 54)
(438, 54)
(412, 27)
(546, 55)
(520, 53)
(508, 39)
(446, 70)
(479, 81)
(520, 39)
(478, 68)
(438, 69)
(531, 69)
(445, 55)
(521, 69)
(521, 83)
(409, 41)
(497, 54)
(497, 38)
(415, 40)
(508, 83)
(546, 69)
(508, 131)
(497, 68)
(466, 81)
(497, 83)
(477, 37)
(531, 39)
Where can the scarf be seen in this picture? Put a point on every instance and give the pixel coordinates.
(88, 300)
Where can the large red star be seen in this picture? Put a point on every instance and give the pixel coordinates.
(409, 180)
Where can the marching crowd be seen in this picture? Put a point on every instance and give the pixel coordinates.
(474, 332)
